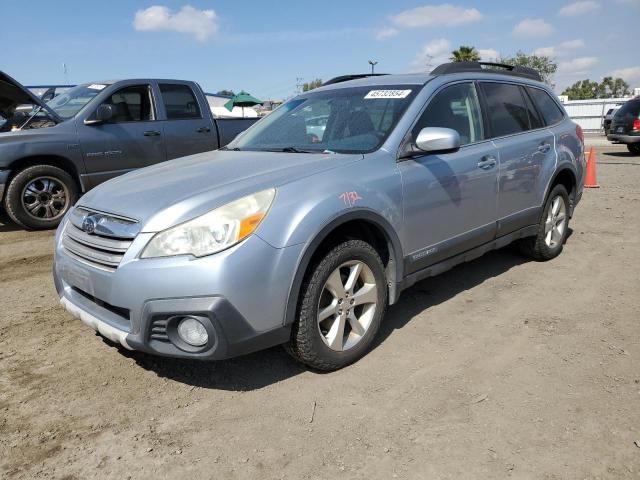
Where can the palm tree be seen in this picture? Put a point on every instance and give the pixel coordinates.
(465, 54)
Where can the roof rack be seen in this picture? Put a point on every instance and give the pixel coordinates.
(515, 70)
(353, 76)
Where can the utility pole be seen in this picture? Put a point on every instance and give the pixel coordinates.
(65, 71)
(373, 64)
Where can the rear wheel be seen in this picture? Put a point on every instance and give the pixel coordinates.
(39, 196)
(552, 229)
(634, 148)
(342, 303)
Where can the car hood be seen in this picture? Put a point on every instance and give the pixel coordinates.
(169, 193)
(13, 94)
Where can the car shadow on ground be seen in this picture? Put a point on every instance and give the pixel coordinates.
(6, 225)
(260, 369)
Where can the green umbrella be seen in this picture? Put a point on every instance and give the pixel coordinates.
(242, 99)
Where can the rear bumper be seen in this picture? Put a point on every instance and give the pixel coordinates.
(626, 139)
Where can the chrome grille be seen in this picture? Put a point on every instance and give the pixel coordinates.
(101, 248)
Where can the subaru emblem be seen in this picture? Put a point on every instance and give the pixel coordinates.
(88, 225)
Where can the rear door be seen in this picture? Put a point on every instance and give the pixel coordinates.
(526, 150)
(187, 124)
(131, 139)
(449, 198)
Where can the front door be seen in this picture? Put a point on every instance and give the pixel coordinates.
(450, 198)
(131, 139)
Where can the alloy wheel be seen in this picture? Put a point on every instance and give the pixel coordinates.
(556, 222)
(347, 305)
(45, 198)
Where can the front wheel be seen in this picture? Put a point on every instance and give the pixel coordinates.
(634, 148)
(39, 196)
(342, 303)
(552, 229)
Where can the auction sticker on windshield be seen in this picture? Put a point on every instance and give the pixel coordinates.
(96, 86)
(387, 94)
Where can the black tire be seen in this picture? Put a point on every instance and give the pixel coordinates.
(536, 247)
(44, 217)
(634, 148)
(306, 344)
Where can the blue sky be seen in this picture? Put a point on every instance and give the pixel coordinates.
(265, 46)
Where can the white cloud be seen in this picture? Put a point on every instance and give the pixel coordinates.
(488, 54)
(432, 54)
(202, 24)
(386, 33)
(631, 75)
(577, 66)
(579, 8)
(561, 49)
(532, 27)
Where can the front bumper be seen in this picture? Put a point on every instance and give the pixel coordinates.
(4, 179)
(239, 295)
(626, 139)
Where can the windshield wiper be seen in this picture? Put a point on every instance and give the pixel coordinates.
(291, 150)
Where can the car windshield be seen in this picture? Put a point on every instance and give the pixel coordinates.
(67, 104)
(341, 120)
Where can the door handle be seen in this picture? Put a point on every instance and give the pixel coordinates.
(151, 133)
(544, 147)
(487, 162)
(203, 130)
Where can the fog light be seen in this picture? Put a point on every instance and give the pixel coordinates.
(191, 331)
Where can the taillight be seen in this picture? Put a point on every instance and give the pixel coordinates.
(636, 124)
(580, 133)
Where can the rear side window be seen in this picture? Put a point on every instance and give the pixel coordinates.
(507, 110)
(179, 101)
(549, 109)
(630, 108)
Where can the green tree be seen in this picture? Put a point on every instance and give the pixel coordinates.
(311, 85)
(543, 64)
(613, 88)
(582, 90)
(226, 92)
(465, 54)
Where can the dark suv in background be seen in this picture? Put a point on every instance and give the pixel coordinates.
(625, 126)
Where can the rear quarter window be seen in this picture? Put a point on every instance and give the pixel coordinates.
(548, 108)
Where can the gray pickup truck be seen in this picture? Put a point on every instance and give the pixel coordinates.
(51, 154)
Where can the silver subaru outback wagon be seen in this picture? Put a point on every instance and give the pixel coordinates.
(302, 236)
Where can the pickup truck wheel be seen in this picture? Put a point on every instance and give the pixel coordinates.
(39, 196)
(553, 228)
(634, 148)
(341, 305)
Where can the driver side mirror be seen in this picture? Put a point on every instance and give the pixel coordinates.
(104, 113)
(437, 139)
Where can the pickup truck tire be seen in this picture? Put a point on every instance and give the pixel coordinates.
(39, 196)
(634, 148)
(349, 282)
(552, 229)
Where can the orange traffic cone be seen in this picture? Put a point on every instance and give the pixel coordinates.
(590, 179)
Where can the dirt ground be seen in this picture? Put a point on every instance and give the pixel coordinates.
(500, 368)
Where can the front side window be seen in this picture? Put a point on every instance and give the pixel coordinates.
(507, 110)
(339, 120)
(132, 104)
(179, 101)
(456, 107)
(549, 109)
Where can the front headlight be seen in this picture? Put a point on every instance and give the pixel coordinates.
(214, 231)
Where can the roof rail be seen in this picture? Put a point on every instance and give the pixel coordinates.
(353, 76)
(504, 69)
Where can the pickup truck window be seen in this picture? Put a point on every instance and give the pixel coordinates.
(341, 120)
(132, 104)
(456, 107)
(179, 101)
(69, 103)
